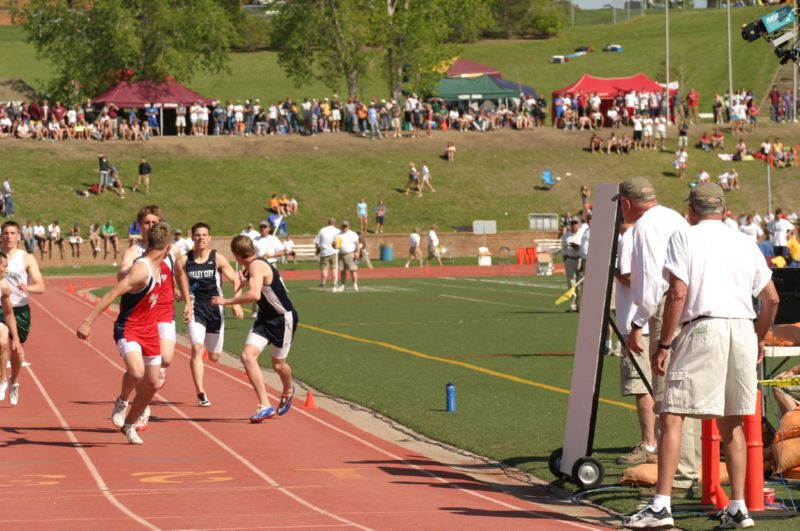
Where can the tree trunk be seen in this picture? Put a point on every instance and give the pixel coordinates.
(352, 84)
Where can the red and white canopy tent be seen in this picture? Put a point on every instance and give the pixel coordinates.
(607, 88)
(465, 68)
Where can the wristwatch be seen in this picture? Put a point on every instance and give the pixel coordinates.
(662, 346)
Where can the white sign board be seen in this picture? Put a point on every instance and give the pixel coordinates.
(484, 226)
(587, 365)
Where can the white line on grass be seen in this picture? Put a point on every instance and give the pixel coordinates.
(484, 301)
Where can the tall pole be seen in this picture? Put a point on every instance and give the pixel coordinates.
(613, 11)
(572, 12)
(730, 56)
(666, 32)
(769, 187)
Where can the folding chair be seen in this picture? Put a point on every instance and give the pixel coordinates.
(544, 262)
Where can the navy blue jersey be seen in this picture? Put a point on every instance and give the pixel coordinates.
(204, 283)
(273, 307)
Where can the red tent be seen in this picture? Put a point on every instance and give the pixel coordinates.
(138, 93)
(464, 68)
(608, 87)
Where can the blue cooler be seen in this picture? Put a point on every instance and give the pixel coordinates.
(387, 253)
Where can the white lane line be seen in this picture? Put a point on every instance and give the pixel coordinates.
(473, 287)
(269, 480)
(396, 457)
(98, 479)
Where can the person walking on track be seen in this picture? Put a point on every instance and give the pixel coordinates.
(275, 326)
(136, 330)
(204, 267)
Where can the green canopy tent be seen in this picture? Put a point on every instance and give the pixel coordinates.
(472, 89)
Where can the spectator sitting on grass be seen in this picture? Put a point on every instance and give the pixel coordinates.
(625, 143)
(741, 150)
(613, 145)
(717, 139)
(705, 142)
(596, 143)
(75, 240)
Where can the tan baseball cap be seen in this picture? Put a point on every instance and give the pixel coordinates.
(706, 195)
(636, 188)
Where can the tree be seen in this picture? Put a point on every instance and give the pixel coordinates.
(329, 40)
(508, 14)
(543, 19)
(413, 35)
(93, 44)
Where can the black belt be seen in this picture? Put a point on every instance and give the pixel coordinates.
(572, 257)
(698, 318)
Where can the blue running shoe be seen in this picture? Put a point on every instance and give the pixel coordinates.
(286, 403)
(262, 414)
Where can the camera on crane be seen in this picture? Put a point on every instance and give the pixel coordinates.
(777, 28)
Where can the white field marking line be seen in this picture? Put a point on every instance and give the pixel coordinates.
(469, 299)
(393, 456)
(98, 479)
(514, 283)
(269, 480)
(473, 288)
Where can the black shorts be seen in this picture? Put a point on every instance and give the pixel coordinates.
(23, 316)
(274, 329)
(637, 135)
(209, 316)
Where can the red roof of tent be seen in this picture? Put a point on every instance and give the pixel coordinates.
(138, 93)
(609, 87)
(464, 68)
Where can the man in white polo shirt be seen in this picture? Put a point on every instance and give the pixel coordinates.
(653, 226)
(752, 229)
(325, 243)
(712, 370)
(268, 245)
(348, 245)
(433, 246)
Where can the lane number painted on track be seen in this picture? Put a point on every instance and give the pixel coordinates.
(30, 480)
(187, 476)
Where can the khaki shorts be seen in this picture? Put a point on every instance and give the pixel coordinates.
(434, 252)
(629, 381)
(712, 372)
(327, 262)
(348, 262)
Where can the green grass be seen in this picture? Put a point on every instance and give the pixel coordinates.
(434, 331)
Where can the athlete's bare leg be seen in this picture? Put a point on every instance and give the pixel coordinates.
(167, 353)
(196, 364)
(145, 390)
(284, 371)
(134, 372)
(5, 352)
(253, 369)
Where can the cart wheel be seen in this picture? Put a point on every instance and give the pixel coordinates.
(554, 463)
(587, 473)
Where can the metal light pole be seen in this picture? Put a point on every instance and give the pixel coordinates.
(666, 31)
(572, 12)
(613, 11)
(730, 56)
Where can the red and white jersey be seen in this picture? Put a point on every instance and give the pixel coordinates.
(165, 307)
(137, 319)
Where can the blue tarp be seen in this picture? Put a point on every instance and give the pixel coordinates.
(519, 87)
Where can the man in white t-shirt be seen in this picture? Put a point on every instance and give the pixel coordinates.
(349, 246)
(268, 245)
(631, 384)
(780, 228)
(413, 247)
(653, 226)
(752, 229)
(250, 232)
(184, 245)
(325, 243)
(717, 351)
(433, 246)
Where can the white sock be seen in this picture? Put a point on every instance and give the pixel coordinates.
(737, 505)
(649, 448)
(660, 502)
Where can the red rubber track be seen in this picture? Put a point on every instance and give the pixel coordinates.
(64, 466)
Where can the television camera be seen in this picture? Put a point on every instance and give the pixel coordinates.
(777, 28)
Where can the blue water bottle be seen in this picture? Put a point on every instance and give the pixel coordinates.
(450, 392)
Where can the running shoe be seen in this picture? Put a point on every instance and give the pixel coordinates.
(638, 455)
(13, 395)
(739, 520)
(118, 413)
(130, 432)
(355, 287)
(286, 403)
(3, 389)
(202, 400)
(647, 518)
(143, 420)
(262, 414)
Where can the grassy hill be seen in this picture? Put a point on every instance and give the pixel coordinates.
(227, 181)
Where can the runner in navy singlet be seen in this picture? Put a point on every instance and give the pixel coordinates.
(204, 268)
(275, 325)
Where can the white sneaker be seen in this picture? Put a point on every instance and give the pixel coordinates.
(118, 413)
(130, 432)
(143, 420)
(3, 389)
(13, 395)
(355, 287)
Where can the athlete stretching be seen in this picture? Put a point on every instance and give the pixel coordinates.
(203, 266)
(147, 217)
(136, 327)
(23, 277)
(275, 326)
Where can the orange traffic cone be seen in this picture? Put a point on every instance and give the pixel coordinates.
(85, 296)
(205, 354)
(310, 401)
(70, 288)
(245, 377)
